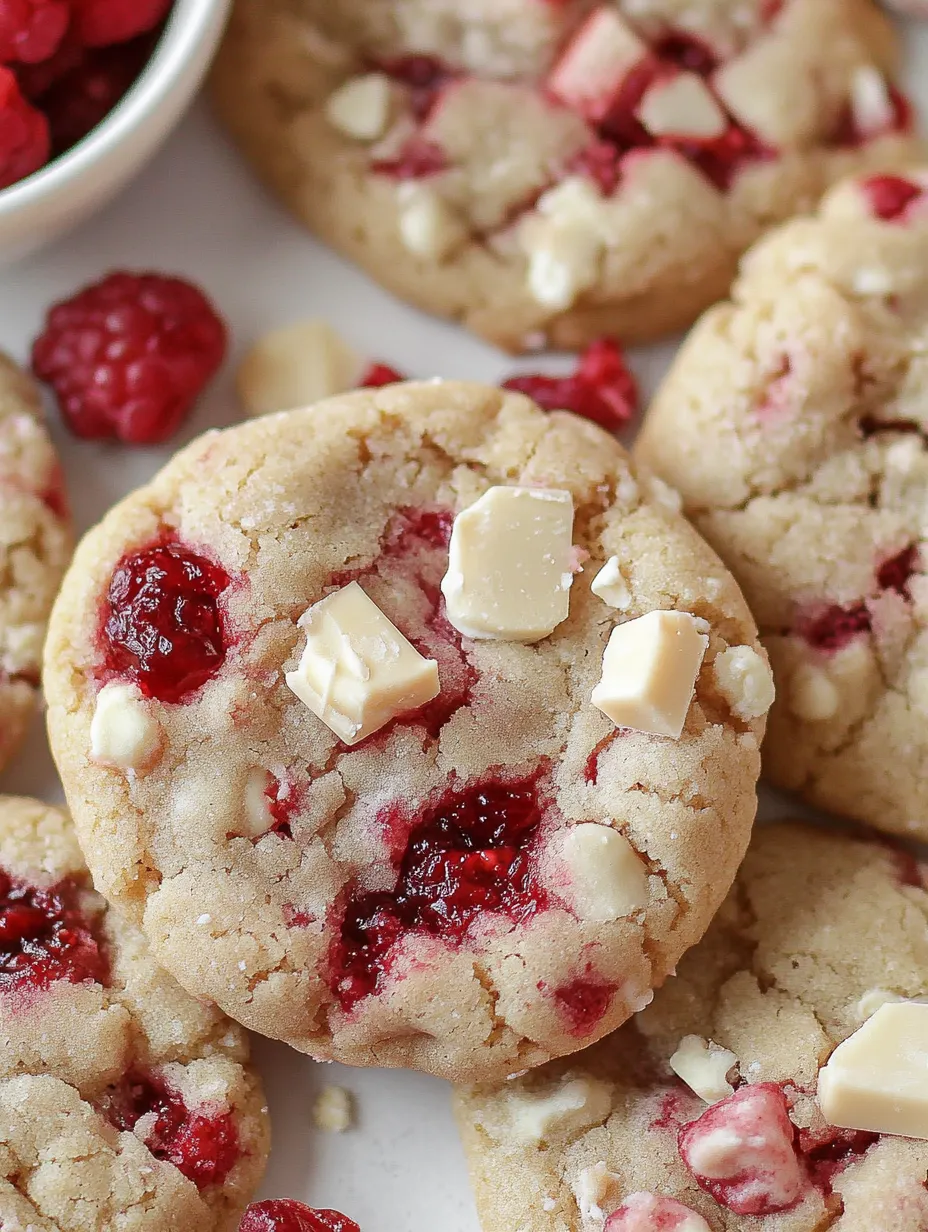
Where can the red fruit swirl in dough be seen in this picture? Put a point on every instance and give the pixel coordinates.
(585, 1002)
(285, 1215)
(162, 624)
(833, 627)
(828, 1151)
(465, 856)
(602, 389)
(44, 937)
(890, 196)
(202, 1145)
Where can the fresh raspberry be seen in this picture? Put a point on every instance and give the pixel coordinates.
(377, 374)
(35, 80)
(891, 195)
(602, 388)
(285, 1215)
(128, 356)
(31, 30)
(44, 936)
(24, 140)
(99, 23)
(86, 94)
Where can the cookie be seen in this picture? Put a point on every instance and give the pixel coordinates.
(702, 1114)
(364, 852)
(558, 172)
(793, 424)
(123, 1101)
(35, 543)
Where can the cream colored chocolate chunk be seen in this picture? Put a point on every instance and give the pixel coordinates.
(296, 365)
(649, 672)
(358, 671)
(704, 1067)
(509, 574)
(608, 879)
(877, 1080)
(124, 733)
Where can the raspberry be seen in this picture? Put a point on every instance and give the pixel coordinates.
(285, 1215)
(828, 1151)
(424, 77)
(31, 30)
(128, 356)
(24, 139)
(86, 94)
(833, 627)
(584, 1002)
(417, 160)
(35, 80)
(377, 374)
(891, 195)
(45, 937)
(647, 1212)
(602, 389)
(99, 23)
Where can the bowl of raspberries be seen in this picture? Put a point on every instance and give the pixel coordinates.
(89, 89)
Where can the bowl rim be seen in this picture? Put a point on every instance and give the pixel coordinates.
(188, 24)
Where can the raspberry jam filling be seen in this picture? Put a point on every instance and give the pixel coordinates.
(833, 627)
(889, 196)
(585, 1002)
(44, 937)
(203, 1146)
(163, 627)
(285, 1215)
(464, 857)
(602, 389)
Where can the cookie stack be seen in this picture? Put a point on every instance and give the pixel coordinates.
(422, 726)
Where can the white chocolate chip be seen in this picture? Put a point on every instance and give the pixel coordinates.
(332, 1110)
(429, 226)
(296, 366)
(563, 243)
(611, 586)
(509, 564)
(575, 1105)
(256, 814)
(361, 107)
(813, 695)
(745, 680)
(704, 1067)
(874, 999)
(596, 61)
(608, 879)
(124, 732)
(877, 1080)
(649, 672)
(682, 106)
(592, 1191)
(357, 671)
(871, 104)
(872, 280)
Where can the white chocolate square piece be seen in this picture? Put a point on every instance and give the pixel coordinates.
(877, 1080)
(509, 567)
(649, 672)
(296, 366)
(608, 879)
(358, 671)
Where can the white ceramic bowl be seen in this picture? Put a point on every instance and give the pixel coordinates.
(71, 188)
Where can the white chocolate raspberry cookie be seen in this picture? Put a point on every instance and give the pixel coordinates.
(124, 1103)
(794, 425)
(704, 1114)
(35, 543)
(351, 825)
(558, 171)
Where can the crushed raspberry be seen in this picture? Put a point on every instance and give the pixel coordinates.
(896, 572)
(423, 76)
(742, 1151)
(689, 53)
(675, 1109)
(465, 856)
(24, 138)
(849, 133)
(833, 627)
(417, 160)
(128, 357)
(890, 195)
(203, 1146)
(720, 158)
(100, 23)
(85, 95)
(600, 162)
(162, 624)
(585, 1002)
(282, 802)
(602, 389)
(646, 1212)
(828, 1151)
(285, 1215)
(377, 374)
(31, 30)
(44, 936)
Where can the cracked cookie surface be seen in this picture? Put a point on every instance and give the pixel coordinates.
(558, 171)
(35, 543)
(819, 930)
(124, 1103)
(405, 901)
(793, 424)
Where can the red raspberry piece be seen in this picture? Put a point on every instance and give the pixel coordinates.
(24, 139)
(44, 936)
(77, 102)
(128, 356)
(585, 1001)
(602, 389)
(99, 23)
(600, 162)
(35, 80)
(285, 1215)
(890, 195)
(646, 1212)
(424, 76)
(417, 160)
(377, 374)
(829, 1151)
(31, 30)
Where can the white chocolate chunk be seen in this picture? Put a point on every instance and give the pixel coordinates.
(649, 672)
(744, 678)
(608, 879)
(682, 106)
(877, 1080)
(429, 226)
(296, 366)
(874, 999)
(648, 1212)
(124, 732)
(611, 586)
(575, 1105)
(358, 671)
(509, 565)
(871, 104)
(592, 1190)
(595, 62)
(257, 815)
(813, 695)
(361, 107)
(704, 1067)
(332, 1110)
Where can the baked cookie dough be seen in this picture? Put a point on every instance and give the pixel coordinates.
(35, 543)
(702, 1115)
(499, 874)
(793, 424)
(124, 1103)
(556, 172)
